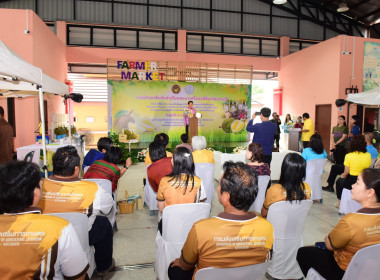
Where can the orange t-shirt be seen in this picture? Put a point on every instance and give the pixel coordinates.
(174, 192)
(277, 193)
(228, 241)
(354, 232)
(203, 156)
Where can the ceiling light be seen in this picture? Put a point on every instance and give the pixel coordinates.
(279, 2)
(342, 8)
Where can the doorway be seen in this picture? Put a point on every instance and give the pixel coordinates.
(323, 124)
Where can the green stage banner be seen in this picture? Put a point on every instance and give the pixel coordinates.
(142, 109)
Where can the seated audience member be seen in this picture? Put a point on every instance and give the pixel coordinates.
(290, 186)
(200, 154)
(184, 140)
(54, 250)
(103, 144)
(315, 149)
(255, 155)
(65, 192)
(161, 166)
(355, 162)
(181, 185)
(107, 168)
(204, 246)
(162, 139)
(352, 233)
(370, 148)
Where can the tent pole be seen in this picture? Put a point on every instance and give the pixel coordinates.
(69, 112)
(41, 97)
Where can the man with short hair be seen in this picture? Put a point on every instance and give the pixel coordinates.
(103, 144)
(163, 139)
(276, 120)
(307, 130)
(161, 166)
(263, 133)
(65, 192)
(34, 246)
(184, 140)
(189, 113)
(235, 237)
(6, 139)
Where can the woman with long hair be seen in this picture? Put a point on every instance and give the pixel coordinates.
(291, 185)
(315, 149)
(339, 139)
(352, 233)
(287, 123)
(353, 127)
(255, 155)
(181, 185)
(355, 162)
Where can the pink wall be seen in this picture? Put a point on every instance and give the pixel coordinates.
(41, 48)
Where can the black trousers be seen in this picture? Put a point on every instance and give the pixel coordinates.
(187, 130)
(344, 183)
(336, 170)
(339, 154)
(322, 260)
(267, 159)
(277, 140)
(176, 273)
(101, 237)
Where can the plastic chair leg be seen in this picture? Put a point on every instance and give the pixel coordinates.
(151, 212)
(321, 200)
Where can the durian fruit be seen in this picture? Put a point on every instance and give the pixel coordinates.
(148, 125)
(226, 125)
(237, 126)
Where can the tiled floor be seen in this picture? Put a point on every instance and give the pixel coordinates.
(134, 243)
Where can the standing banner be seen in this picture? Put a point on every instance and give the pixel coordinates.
(141, 108)
(371, 66)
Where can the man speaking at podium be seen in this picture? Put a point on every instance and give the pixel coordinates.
(189, 112)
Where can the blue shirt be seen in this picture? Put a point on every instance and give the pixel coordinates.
(309, 154)
(355, 130)
(263, 134)
(372, 150)
(91, 156)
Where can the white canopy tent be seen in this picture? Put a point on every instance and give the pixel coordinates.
(19, 78)
(371, 97)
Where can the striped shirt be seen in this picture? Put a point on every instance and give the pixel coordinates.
(102, 169)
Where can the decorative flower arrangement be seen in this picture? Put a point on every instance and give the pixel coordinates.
(141, 155)
(238, 150)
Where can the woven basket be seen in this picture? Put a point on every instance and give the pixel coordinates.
(125, 207)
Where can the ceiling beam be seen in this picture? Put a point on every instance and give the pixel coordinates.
(369, 14)
(354, 6)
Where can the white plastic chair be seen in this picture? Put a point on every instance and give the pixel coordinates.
(103, 183)
(252, 272)
(314, 171)
(85, 169)
(373, 160)
(363, 265)
(263, 181)
(79, 222)
(177, 221)
(205, 171)
(347, 204)
(150, 196)
(288, 220)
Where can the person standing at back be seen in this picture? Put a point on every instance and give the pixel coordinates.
(276, 120)
(6, 139)
(263, 133)
(307, 130)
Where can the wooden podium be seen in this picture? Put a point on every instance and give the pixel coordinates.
(193, 127)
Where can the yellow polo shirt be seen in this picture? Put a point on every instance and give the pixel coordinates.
(308, 124)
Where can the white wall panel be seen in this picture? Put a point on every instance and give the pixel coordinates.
(309, 30)
(93, 11)
(256, 7)
(130, 14)
(19, 4)
(228, 5)
(197, 3)
(53, 10)
(166, 2)
(284, 27)
(167, 17)
(193, 19)
(226, 22)
(256, 24)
